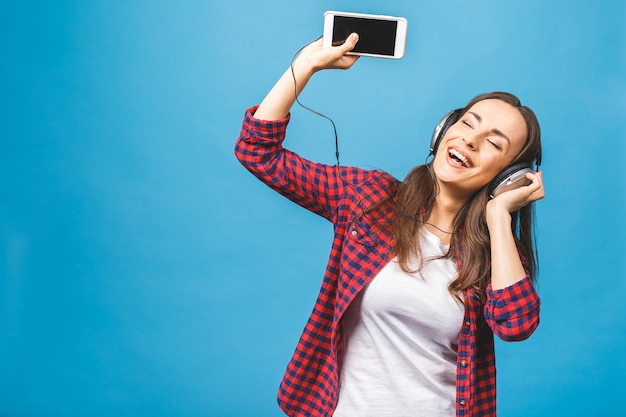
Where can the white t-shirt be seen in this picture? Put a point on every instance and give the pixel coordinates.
(400, 340)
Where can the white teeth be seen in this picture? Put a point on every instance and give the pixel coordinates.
(460, 157)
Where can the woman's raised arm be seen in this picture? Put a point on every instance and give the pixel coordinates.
(313, 58)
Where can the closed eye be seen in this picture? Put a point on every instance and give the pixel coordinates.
(495, 144)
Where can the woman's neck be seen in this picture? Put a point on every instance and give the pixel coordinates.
(443, 214)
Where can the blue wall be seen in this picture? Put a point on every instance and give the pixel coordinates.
(143, 272)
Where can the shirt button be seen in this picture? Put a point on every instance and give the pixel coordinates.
(462, 403)
(463, 363)
(354, 233)
(467, 323)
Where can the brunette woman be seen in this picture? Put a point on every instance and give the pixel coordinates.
(422, 272)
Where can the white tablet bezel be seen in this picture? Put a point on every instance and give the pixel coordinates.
(401, 31)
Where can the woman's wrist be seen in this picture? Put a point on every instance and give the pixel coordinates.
(497, 216)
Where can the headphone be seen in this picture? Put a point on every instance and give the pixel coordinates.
(511, 177)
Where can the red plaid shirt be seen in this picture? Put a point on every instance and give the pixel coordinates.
(362, 245)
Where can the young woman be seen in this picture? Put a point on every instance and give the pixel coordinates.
(422, 272)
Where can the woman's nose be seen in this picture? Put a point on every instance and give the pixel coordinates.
(469, 141)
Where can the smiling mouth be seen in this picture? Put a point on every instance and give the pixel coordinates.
(458, 156)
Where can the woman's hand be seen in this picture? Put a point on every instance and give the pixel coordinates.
(314, 57)
(515, 199)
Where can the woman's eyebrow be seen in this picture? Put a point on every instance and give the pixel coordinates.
(497, 132)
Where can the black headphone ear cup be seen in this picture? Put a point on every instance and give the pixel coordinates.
(505, 179)
(441, 129)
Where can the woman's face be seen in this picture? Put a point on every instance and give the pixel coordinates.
(483, 142)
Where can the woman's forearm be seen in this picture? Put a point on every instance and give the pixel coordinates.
(506, 264)
(277, 104)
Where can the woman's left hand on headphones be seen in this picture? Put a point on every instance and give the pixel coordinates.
(517, 198)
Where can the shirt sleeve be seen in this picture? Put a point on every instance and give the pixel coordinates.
(513, 312)
(259, 149)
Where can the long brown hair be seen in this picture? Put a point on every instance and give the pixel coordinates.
(416, 197)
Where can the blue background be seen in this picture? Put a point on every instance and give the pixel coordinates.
(144, 272)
